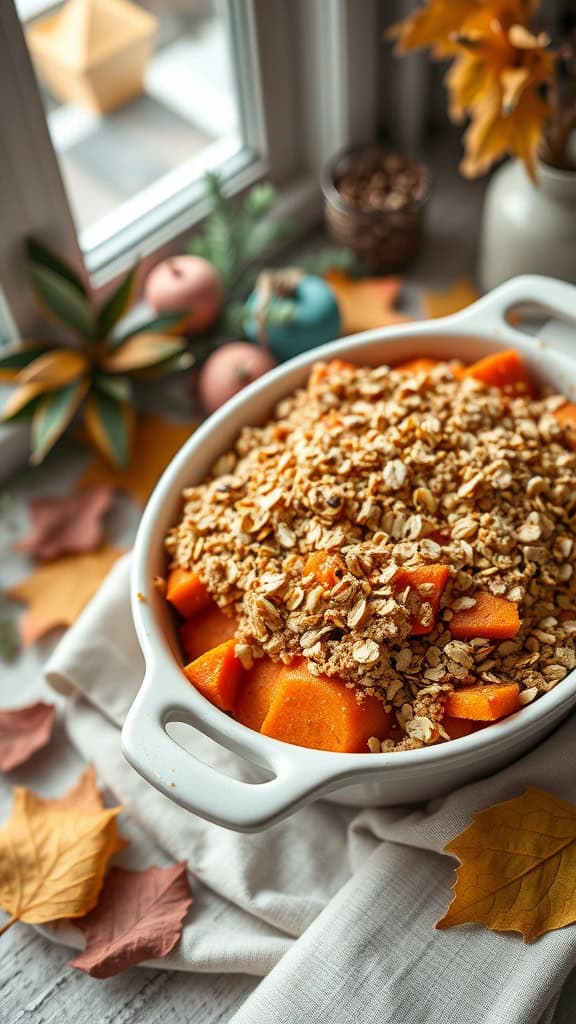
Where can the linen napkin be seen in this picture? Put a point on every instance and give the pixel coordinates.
(335, 905)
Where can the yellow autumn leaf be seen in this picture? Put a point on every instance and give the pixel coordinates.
(54, 369)
(433, 25)
(84, 794)
(518, 864)
(365, 303)
(57, 591)
(500, 68)
(454, 298)
(53, 858)
(156, 441)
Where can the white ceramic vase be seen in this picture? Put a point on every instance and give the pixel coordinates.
(528, 228)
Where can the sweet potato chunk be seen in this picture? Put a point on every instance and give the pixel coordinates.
(255, 691)
(187, 592)
(434, 575)
(504, 370)
(566, 416)
(208, 629)
(314, 711)
(458, 727)
(327, 568)
(422, 364)
(483, 703)
(323, 370)
(216, 675)
(493, 618)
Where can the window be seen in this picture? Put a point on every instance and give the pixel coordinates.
(166, 108)
(252, 87)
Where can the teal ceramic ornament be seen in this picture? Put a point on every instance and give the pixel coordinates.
(291, 312)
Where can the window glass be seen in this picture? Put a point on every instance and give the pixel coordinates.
(140, 99)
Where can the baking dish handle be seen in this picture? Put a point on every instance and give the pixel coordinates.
(180, 775)
(556, 297)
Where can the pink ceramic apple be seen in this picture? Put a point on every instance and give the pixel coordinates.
(186, 283)
(229, 369)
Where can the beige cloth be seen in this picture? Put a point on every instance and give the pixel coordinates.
(336, 906)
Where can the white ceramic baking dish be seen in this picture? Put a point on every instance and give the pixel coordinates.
(298, 774)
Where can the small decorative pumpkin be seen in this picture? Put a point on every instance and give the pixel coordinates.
(291, 312)
(229, 369)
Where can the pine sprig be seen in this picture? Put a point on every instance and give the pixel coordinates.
(238, 236)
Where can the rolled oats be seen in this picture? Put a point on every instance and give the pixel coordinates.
(380, 472)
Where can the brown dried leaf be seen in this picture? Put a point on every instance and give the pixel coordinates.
(68, 525)
(23, 731)
(518, 863)
(139, 916)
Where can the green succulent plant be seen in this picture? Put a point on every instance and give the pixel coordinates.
(92, 369)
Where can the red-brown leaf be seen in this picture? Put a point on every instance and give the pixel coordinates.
(139, 916)
(68, 525)
(23, 731)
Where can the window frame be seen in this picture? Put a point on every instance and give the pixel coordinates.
(308, 91)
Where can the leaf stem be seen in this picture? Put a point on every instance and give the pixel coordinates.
(8, 924)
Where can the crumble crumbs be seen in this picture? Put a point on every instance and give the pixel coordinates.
(386, 470)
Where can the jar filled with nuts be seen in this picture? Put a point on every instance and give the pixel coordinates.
(374, 201)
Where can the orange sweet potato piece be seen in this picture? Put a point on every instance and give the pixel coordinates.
(483, 703)
(437, 575)
(208, 629)
(187, 592)
(322, 713)
(255, 691)
(493, 618)
(216, 675)
(327, 568)
(323, 370)
(422, 364)
(566, 416)
(504, 370)
(458, 727)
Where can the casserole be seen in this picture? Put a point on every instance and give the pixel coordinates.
(301, 774)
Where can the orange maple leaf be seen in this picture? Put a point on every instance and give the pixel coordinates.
(57, 591)
(156, 441)
(53, 855)
(517, 867)
(454, 298)
(366, 302)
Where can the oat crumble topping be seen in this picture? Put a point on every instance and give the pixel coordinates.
(387, 470)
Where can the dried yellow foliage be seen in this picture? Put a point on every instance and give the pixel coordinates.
(54, 853)
(499, 70)
(433, 25)
(518, 864)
